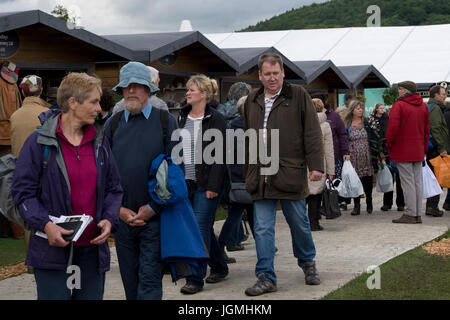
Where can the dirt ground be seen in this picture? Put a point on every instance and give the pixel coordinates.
(11, 271)
(441, 248)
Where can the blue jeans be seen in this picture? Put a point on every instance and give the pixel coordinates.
(205, 213)
(264, 230)
(139, 255)
(231, 233)
(52, 284)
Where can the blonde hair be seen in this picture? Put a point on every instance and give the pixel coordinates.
(204, 84)
(76, 85)
(348, 117)
(318, 104)
(341, 111)
(214, 88)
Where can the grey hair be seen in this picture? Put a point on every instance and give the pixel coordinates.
(240, 105)
(238, 90)
(153, 73)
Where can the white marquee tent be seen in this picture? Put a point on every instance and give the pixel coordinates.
(417, 53)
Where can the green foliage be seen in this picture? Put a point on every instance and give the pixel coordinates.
(352, 13)
(390, 96)
(62, 13)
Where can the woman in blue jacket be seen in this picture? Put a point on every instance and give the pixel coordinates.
(80, 177)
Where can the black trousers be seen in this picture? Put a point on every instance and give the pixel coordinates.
(388, 197)
(367, 183)
(313, 202)
(432, 202)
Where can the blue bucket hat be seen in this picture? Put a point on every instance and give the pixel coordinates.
(135, 72)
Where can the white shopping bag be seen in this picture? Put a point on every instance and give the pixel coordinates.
(385, 182)
(351, 184)
(430, 185)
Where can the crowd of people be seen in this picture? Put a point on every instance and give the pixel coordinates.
(100, 155)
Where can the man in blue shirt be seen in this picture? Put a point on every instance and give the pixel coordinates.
(135, 142)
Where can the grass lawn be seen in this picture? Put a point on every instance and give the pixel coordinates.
(414, 275)
(11, 251)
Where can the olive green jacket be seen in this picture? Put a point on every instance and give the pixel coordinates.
(438, 126)
(300, 144)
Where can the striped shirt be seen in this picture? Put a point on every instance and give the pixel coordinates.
(269, 103)
(190, 135)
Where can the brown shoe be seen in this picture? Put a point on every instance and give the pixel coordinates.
(418, 219)
(405, 219)
(434, 212)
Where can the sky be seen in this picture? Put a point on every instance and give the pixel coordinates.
(142, 16)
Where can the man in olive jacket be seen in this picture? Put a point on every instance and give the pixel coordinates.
(439, 138)
(279, 107)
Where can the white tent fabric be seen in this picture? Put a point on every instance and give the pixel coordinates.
(417, 53)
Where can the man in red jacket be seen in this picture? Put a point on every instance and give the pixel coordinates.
(407, 142)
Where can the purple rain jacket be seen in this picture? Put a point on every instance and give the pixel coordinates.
(54, 198)
(340, 138)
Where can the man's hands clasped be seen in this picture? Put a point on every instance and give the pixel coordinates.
(138, 219)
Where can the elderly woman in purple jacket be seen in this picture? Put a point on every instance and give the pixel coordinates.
(81, 177)
(340, 141)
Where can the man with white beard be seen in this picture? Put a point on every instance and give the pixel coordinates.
(154, 100)
(136, 138)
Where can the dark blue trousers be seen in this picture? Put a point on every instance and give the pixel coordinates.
(139, 255)
(52, 284)
(205, 213)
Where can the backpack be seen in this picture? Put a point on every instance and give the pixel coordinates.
(7, 206)
(163, 117)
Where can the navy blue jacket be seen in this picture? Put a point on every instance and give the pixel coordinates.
(54, 198)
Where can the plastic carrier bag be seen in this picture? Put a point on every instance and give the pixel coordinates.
(430, 185)
(351, 184)
(385, 182)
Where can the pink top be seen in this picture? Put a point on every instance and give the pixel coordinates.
(82, 172)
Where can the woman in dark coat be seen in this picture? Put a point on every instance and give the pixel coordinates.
(204, 178)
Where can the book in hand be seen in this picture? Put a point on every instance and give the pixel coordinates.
(76, 223)
(71, 225)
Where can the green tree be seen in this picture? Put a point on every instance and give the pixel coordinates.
(352, 13)
(390, 96)
(62, 13)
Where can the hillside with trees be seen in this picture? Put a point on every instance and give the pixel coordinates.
(352, 13)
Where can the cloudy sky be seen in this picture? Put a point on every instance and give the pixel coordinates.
(140, 16)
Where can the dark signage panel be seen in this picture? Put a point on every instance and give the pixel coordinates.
(9, 44)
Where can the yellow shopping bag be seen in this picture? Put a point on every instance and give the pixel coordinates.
(442, 170)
